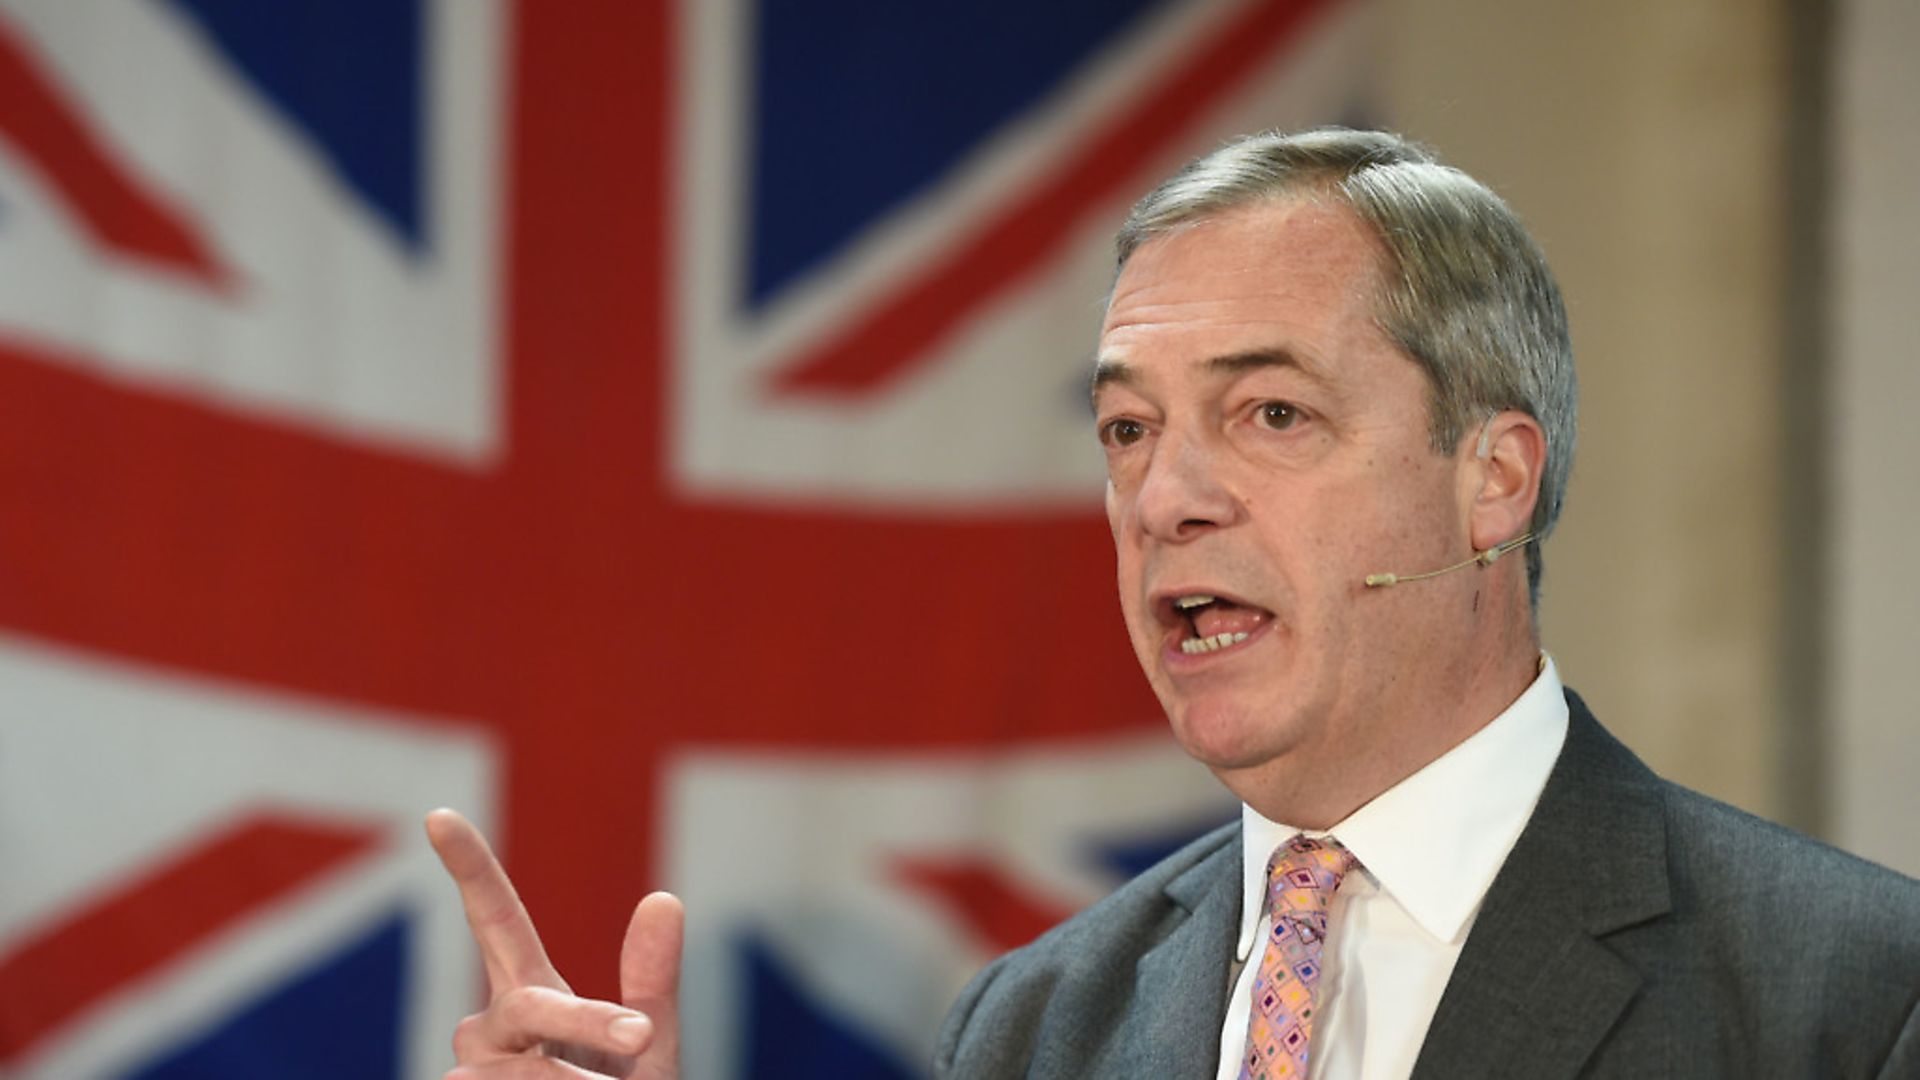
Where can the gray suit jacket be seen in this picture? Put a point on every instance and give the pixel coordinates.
(1637, 929)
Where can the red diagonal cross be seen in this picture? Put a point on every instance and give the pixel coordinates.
(566, 598)
(139, 925)
(123, 217)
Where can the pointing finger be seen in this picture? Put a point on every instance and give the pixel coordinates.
(508, 943)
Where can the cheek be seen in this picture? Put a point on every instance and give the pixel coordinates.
(1312, 529)
(1128, 575)
(1126, 549)
(1421, 515)
(1321, 553)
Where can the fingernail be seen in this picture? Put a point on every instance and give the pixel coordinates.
(630, 1031)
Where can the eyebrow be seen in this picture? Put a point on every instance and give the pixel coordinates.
(1117, 372)
(1109, 373)
(1254, 360)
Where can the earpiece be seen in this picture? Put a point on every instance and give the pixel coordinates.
(1483, 558)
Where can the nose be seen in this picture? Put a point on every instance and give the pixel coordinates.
(1183, 494)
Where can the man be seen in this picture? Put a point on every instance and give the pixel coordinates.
(1334, 385)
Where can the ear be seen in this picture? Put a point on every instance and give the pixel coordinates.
(1503, 480)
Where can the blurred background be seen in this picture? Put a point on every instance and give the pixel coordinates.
(658, 430)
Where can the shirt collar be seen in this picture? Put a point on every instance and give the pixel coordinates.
(1434, 841)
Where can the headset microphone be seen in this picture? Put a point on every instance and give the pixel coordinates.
(1484, 558)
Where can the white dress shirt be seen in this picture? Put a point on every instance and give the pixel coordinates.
(1429, 848)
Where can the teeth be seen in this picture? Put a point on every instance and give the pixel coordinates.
(1194, 601)
(1195, 646)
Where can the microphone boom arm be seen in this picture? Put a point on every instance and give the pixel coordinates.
(1484, 558)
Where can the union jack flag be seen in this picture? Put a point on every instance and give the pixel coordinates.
(657, 430)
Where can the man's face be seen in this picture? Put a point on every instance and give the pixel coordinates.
(1267, 448)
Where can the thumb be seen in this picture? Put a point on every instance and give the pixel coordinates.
(650, 966)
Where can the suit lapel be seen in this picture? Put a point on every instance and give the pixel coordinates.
(1180, 985)
(1534, 990)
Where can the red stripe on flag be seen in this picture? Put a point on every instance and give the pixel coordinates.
(997, 909)
(52, 976)
(43, 127)
(897, 336)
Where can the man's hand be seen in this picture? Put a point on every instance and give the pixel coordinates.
(533, 1025)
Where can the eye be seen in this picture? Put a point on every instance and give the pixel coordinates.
(1278, 415)
(1121, 431)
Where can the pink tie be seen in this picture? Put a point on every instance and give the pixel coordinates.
(1301, 879)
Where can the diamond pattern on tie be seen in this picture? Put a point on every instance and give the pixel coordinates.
(1302, 877)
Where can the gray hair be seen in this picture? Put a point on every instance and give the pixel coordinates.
(1464, 290)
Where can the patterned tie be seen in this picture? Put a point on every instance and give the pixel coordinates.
(1301, 879)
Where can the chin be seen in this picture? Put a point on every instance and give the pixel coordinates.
(1227, 738)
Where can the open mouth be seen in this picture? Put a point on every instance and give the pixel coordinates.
(1206, 623)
